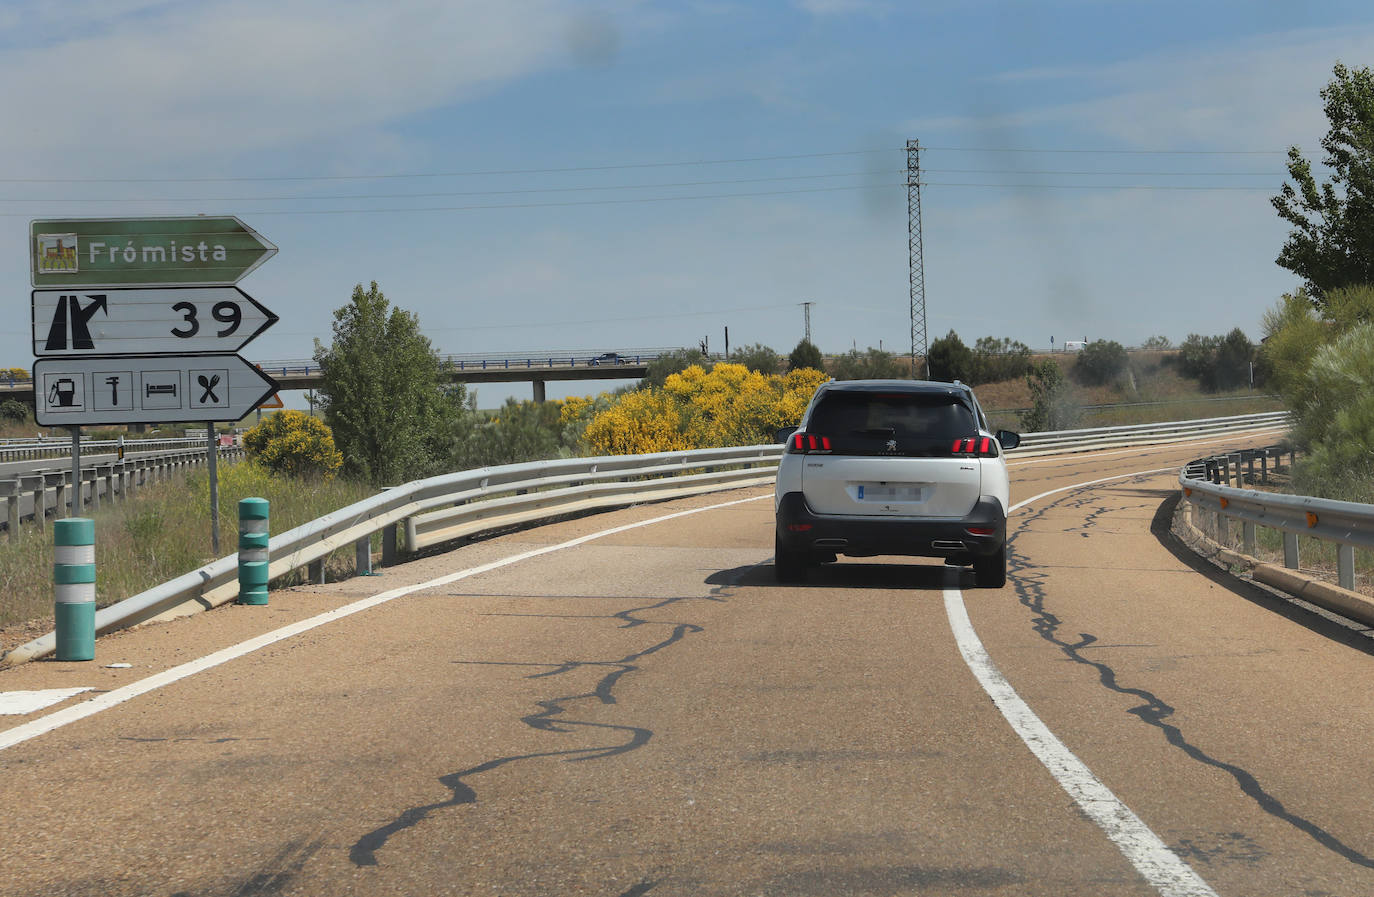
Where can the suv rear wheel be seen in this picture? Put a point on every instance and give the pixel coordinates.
(990, 572)
(788, 566)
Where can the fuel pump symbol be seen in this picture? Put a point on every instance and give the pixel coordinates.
(63, 393)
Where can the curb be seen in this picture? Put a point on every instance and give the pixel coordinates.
(1323, 594)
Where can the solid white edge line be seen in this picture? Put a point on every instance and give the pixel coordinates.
(1150, 856)
(55, 720)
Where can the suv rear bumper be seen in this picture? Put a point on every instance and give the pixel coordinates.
(801, 529)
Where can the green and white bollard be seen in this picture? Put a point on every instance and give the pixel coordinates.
(73, 573)
(253, 551)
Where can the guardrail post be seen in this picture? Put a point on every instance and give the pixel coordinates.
(1264, 467)
(1345, 566)
(39, 488)
(253, 557)
(94, 476)
(1223, 529)
(73, 573)
(362, 557)
(389, 550)
(315, 572)
(1290, 550)
(1247, 535)
(12, 512)
(1250, 471)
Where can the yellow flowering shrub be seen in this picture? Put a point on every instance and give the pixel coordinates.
(295, 444)
(731, 405)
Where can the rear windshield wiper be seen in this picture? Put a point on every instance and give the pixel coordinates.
(875, 431)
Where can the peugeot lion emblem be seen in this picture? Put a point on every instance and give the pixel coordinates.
(892, 445)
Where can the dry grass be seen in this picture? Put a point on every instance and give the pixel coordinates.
(162, 532)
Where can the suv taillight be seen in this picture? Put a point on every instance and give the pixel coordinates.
(805, 443)
(978, 446)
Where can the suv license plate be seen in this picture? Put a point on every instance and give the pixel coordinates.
(889, 492)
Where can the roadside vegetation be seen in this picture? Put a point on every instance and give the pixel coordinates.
(1319, 339)
(162, 532)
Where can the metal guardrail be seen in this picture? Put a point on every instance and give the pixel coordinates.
(61, 447)
(1059, 441)
(1348, 524)
(447, 507)
(116, 479)
(444, 508)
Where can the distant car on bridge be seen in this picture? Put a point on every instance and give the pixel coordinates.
(607, 358)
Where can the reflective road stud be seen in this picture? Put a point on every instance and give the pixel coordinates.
(73, 573)
(253, 551)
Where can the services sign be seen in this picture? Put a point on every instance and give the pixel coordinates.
(72, 392)
(143, 252)
(163, 320)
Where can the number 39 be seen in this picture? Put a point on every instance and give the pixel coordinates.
(224, 312)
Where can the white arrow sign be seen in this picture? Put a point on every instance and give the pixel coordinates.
(170, 320)
(122, 389)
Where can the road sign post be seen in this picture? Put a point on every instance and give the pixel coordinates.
(135, 321)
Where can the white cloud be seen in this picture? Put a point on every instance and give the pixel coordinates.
(841, 7)
(163, 82)
(1259, 94)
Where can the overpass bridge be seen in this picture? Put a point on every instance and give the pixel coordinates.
(536, 368)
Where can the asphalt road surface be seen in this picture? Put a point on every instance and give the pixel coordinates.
(645, 712)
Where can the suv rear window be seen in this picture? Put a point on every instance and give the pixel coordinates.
(921, 425)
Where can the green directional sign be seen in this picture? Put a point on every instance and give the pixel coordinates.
(143, 252)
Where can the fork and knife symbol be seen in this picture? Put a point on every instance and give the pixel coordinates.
(208, 384)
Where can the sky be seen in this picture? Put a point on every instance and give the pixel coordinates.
(534, 176)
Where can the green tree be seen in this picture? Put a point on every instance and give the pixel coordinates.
(1197, 357)
(1101, 362)
(871, 364)
(947, 358)
(1332, 243)
(1156, 342)
(13, 411)
(760, 358)
(293, 443)
(995, 360)
(382, 392)
(1052, 404)
(672, 363)
(518, 431)
(1234, 356)
(805, 355)
(1217, 362)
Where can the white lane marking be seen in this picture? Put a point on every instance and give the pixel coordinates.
(57, 719)
(20, 703)
(1121, 476)
(1152, 858)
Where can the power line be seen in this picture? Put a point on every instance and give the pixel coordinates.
(432, 195)
(734, 195)
(648, 186)
(1107, 152)
(441, 174)
(620, 166)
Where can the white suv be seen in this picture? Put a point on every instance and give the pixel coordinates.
(893, 467)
